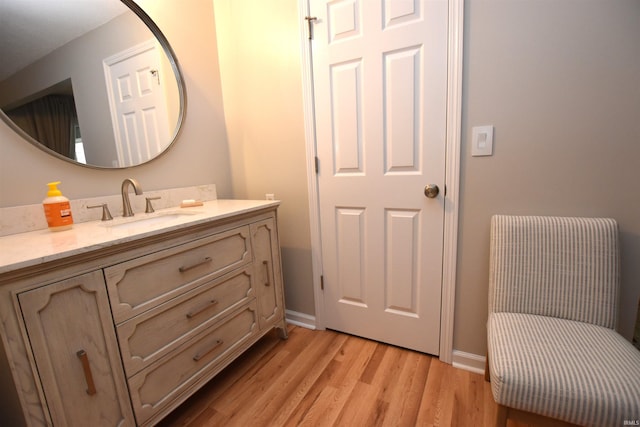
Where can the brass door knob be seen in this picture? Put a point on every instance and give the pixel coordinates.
(431, 191)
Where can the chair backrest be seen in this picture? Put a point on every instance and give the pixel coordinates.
(555, 266)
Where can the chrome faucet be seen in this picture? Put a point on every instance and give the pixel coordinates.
(126, 204)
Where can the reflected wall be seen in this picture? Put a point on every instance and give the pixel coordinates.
(81, 62)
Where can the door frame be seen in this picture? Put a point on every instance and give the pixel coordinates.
(455, 31)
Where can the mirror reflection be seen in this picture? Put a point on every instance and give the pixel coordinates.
(88, 80)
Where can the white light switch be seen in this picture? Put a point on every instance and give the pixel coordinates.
(482, 141)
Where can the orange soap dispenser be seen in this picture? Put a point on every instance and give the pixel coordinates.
(57, 209)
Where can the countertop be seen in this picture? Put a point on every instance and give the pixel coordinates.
(38, 247)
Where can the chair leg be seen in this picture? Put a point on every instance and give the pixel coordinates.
(502, 416)
(487, 374)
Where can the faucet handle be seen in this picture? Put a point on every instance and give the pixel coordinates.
(106, 215)
(149, 208)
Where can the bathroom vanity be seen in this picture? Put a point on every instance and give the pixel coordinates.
(117, 324)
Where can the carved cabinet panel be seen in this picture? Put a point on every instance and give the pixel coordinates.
(76, 354)
(267, 272)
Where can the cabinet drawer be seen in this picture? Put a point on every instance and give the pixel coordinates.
(156, 386)
(142, 283)
(147, 337)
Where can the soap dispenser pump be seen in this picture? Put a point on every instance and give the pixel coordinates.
(57, 209)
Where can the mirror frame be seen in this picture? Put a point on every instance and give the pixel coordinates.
(166, 47)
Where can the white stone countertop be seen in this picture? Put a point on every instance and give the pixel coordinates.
(38, 247)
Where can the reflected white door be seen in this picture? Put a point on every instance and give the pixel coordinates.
(380, 81)
(138, 103)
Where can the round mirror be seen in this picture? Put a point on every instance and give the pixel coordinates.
(93, 82)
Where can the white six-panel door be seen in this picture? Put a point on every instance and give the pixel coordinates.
(380, 81)
(138, 103)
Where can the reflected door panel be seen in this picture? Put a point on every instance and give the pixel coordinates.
(138, 105)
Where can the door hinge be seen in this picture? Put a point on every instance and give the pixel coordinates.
(310, 20)
(322, 283)
(317, 164)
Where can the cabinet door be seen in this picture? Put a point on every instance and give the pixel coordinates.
(268, 273)
(74, 346)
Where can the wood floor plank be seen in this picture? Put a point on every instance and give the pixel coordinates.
(353, 359)
(464, 406)
(374, 363)
(295, 382)
(258, 375)
(363, 407)
(387, 382)
(404, 404)
(437, 401)
(314, 415)
(209, 417)
(270, 382)
(328, 379)
(489, 413)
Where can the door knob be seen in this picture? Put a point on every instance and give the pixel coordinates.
(431, 191)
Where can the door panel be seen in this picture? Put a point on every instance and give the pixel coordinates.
(380, 82)
(401, 248)
(350, 256)
(347, 109)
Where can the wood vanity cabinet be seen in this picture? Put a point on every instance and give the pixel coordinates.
(122, 336)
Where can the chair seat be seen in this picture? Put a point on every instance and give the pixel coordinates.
(573, 371)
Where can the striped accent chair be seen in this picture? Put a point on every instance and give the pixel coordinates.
(552, 347)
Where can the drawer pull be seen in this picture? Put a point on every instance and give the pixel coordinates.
(268, 282)
(84, 359)
(202, 354)
(202, 308)
(194, 265)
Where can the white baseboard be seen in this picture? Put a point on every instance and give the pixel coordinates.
(300, 319)
(468, 361)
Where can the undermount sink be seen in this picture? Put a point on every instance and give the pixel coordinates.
(155, 219)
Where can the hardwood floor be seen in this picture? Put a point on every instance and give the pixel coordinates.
(325, 378)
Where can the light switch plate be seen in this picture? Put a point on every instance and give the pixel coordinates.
(482, 141)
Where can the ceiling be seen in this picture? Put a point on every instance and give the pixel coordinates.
(29, 29)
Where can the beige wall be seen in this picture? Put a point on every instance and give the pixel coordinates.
(81, 60)
(564, 102)
(200, 154)
(259, 47)
(559, 80)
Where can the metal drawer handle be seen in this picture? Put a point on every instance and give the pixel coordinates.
(194, 265)
(202, 308)
(202, 354)
(268, 282)
(84, 359)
